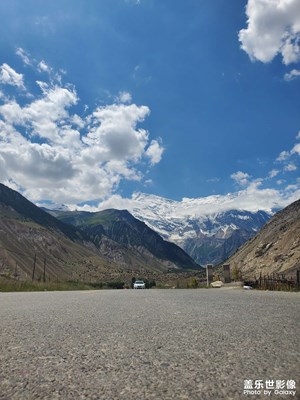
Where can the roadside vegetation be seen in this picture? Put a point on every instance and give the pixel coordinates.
(8, 284)
(12, 285)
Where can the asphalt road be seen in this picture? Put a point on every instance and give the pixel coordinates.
(147, 344)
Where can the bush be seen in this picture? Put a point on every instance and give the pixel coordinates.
(115, 285)
(96, 285)
(150, 284)
(192, 284)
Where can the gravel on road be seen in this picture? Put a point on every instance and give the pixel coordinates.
(147, 344)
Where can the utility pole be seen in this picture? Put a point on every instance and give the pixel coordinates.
(33, 270)
(44, 277)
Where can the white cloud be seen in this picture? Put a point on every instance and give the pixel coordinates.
(124, 97)
(280, 181)
(273, 27)
(290, 167)
(284, 155)
(155, 152)
(43, 67)
(148, 182)
(242, 178)
(289, 160)
(23, 55)
(273, 173)
(296, 149)
(293, 74)
(113, 134)
(9, 76)
(56, 155)
(45, 114)
(40, 66)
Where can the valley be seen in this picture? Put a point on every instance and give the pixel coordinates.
(150, 242)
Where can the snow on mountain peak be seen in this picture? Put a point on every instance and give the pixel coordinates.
(207, 228)
(180, 220)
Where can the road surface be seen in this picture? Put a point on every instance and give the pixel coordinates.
(147, 344)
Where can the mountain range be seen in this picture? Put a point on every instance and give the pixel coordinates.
(206, 229)
(109, 245)
(113, 244)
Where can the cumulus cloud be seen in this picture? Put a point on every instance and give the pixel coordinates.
(273, 27)
(241, 178)
(113, 134)
(54, 154)
(155, 152)
(8, 76)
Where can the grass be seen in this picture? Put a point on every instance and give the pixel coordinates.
(11, 285)
(8, 284)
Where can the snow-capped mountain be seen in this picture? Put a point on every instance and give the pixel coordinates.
(209, 229)
(206, 228)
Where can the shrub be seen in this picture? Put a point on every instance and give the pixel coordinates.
(115, 285)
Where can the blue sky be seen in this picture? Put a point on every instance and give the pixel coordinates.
(175, 98)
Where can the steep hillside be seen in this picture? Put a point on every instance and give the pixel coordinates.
(275, 249)
(31, 239)
(16, 206)
(121, 227)
(215, 248)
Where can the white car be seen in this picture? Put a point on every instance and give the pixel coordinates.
(139, 285)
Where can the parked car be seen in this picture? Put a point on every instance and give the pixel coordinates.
(139, 285)
(217, 284)
(248, 285)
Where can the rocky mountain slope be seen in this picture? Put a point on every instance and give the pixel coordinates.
(121, 227)
(275, 249)
(29, 236)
